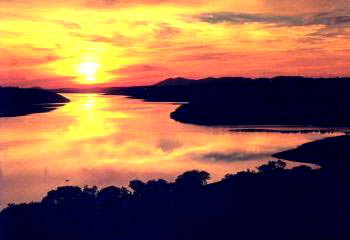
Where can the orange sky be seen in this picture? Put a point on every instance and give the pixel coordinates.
(75, 43)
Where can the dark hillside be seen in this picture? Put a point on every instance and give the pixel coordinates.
(23, 101)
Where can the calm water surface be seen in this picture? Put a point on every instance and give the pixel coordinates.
(110, 140)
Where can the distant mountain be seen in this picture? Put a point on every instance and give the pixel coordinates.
(22, 101)
(176, 82)
(187, 90)
(204, 81)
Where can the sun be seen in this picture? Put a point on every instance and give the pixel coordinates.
(89, 69)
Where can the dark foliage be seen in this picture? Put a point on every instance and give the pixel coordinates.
(270, 203)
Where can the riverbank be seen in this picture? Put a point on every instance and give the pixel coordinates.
(16, 102)
(332, 153)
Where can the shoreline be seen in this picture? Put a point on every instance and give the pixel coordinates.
(16, 102)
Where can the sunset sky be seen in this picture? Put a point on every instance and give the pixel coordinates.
(80, 43)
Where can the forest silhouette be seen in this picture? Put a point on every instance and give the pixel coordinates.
(272, 202)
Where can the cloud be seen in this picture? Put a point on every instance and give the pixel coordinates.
(169, 145)
(9, 34)
(117, 39)
(160, 31)
(138, 68)
(33, 18)
(211, 56)
(52, 81)
(147, 73)
(233, 157)
(333, 23)
(16, 143)
(66, 24)
(328, 32)
(293, 6)
(165, 30)
(28, 78)
(324, 18)
(25, 61)
(120, 3)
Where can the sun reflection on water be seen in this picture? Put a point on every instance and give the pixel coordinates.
(92, 119)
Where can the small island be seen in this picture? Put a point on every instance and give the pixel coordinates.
(23, 101)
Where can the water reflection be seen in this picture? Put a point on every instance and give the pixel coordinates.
(104, 140)
(91, 118)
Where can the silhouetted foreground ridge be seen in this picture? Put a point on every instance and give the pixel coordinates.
(22, 101)
(271, 203)
(245, 101)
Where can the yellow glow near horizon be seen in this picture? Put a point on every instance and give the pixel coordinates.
(89, 69)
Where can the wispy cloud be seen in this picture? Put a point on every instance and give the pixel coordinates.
(233, 157)
(24, 61)
(324, 18)
(138, 68)
(332, 24)
(118, 3)
(117, 39)
(66, 24)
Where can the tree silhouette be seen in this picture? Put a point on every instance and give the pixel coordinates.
(112, 194)
(137, 185)
(193, 178)
(272, 166)
(63, 195)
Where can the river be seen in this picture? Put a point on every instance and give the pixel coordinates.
(109, 140)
